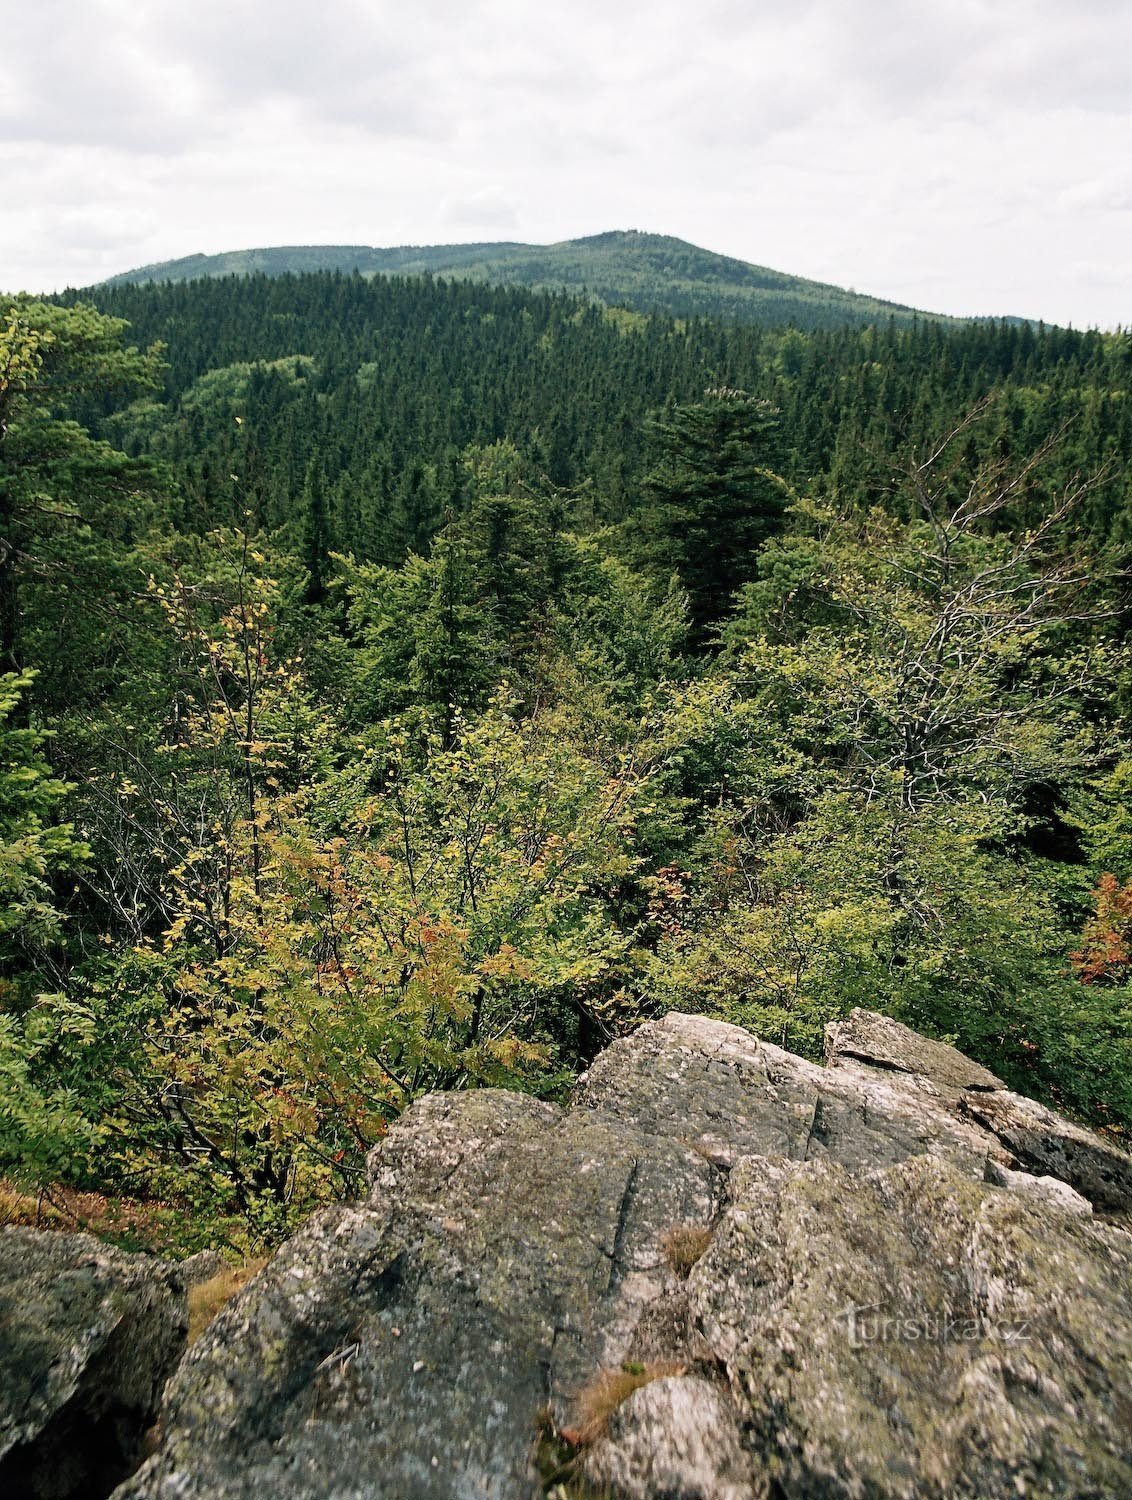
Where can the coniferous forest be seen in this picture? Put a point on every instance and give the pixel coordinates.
(412, 685)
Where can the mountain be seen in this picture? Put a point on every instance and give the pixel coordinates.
(645, 272)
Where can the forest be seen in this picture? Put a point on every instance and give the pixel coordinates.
(413, 684)
(619, 268)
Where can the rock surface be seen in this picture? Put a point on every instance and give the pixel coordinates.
(904, 1293)
(203, 1266)
(675, 1436)
(881, 1042)
(88, 1335)
(915, 1333)
(1046, 1144)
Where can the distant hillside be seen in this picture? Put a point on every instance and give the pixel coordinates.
(646, 272)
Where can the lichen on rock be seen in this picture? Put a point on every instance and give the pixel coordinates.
(88, 1335)
(895, 1293)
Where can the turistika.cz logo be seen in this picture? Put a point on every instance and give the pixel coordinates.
(868, 1323)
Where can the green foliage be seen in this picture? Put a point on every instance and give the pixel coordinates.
(403, 737)
(34, 845)
(320, 932)
(40, 1130)
(372, 948)
(891, 703)
(713, 499)
(51, 1084)
(71, 507)
(402, 387)
(504, 596)
(1102, 813)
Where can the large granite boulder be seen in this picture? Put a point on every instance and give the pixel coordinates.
(913, 1333)
(88, 1336)
(723, 1271)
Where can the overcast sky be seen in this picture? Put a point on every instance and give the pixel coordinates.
(966, 156)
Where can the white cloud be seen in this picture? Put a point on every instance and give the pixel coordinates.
(964, 155)
(485, 208)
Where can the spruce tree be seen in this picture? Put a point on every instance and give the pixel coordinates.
(314, 539)
(713, 498)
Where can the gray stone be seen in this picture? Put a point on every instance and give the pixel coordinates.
(1018, 1132)
(201, 1267)
(508, 1251)
(88, 1335)
(1048, 1190)
(1046, 1144)
(880, 1042)
(678, 1438)
(912, 1334)
(729, 1095)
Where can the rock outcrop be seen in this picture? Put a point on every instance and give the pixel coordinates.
(722, 1272)
(88, 1335)
(1041, 1141)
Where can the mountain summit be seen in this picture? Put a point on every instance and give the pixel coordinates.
(644, 272)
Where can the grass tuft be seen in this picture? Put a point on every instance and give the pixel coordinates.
(208, 1297)
(683, 1245)
(28, 1209)
(600, 1397)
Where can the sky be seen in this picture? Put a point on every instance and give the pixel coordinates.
(964, 156)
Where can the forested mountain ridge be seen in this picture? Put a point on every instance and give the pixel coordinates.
(412, 684)
(383, 384)
(626, 268)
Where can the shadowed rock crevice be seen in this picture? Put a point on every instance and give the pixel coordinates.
(77, 1456)
(616, 1257)
(88, 1335)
